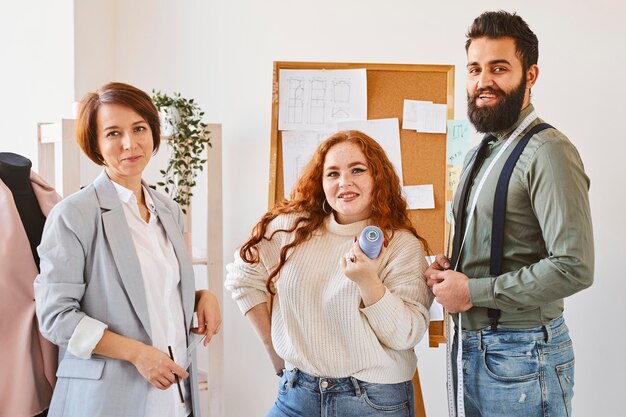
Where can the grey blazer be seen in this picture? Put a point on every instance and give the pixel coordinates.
(89, 266)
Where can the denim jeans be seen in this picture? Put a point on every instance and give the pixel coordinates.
(517, 372)
(303, 395)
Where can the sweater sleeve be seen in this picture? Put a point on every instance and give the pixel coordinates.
(400, 318)
(247, 281)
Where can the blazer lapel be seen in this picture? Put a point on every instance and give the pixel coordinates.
(121, 244)
(187, 283)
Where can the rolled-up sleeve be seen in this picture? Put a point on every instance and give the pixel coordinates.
(86, 336)
(60, 286)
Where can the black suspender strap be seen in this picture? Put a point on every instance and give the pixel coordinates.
(472, 169)
(499, 211)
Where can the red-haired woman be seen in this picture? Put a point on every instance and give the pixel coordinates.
(343, 326)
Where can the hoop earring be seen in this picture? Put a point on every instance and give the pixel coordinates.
(330, 209)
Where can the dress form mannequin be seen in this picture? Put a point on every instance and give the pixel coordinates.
(15, 173)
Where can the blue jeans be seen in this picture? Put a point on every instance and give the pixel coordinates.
(303, 395)
(517, 372)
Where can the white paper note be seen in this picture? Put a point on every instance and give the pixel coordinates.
(419, 196)
(298, 148)
(436, 311)
(424, 116)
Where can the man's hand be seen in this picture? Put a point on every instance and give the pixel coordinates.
(441, 264)
(451, 290)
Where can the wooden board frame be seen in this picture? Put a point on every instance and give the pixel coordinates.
(423, 154)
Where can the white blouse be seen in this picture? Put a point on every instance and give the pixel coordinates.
(161, 279)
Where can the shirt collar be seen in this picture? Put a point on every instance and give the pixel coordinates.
(126, 196)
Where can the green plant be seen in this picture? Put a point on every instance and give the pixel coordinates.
(189, 138)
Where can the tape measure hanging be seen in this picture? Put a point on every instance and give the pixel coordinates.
(457, 408)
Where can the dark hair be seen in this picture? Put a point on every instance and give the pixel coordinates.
(113, 93)
(389, 208)
(504, 24)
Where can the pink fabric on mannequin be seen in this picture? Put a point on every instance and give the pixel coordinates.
(27, 360)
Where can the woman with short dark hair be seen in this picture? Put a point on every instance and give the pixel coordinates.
(116, 288)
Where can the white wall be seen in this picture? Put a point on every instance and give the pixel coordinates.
(222, 52)
(36, 70)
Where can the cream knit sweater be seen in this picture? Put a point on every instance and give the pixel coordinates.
(318, 323)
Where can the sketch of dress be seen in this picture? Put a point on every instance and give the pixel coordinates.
(341, 99)
(318, 101)
(295, 104)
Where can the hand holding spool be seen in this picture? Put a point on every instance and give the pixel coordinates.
(371, 241)
(363, 270)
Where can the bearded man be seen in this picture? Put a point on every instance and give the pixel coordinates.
(523, 237)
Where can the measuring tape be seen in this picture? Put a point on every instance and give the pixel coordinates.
(460, 405)
(458, 409)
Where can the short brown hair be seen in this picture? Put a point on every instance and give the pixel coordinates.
(113, 93)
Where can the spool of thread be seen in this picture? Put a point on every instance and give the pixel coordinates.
(371, 241)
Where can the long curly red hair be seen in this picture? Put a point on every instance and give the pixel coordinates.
(389, 208)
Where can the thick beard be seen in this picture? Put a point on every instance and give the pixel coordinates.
(500, 116)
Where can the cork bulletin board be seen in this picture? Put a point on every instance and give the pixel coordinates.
(423, 154)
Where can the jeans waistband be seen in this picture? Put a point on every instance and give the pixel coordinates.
(296, 377)
(547, 332)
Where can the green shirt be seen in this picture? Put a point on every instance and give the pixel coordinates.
(548, 239)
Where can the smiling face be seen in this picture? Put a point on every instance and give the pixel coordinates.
(497, 86)
(348, 183)
(125, 143)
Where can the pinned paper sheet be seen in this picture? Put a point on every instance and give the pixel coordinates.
(384, 131)
(436, 311)
(449, 214)
(298, 149)
(453, 175)
(316, 100)
(424, 116)
(458, 141)
(419, 196)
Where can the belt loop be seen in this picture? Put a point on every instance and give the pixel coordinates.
(292, 377)
(494, 317)
(547, 333)
(357, 387)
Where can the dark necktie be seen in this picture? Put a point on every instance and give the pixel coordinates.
(460, 220)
